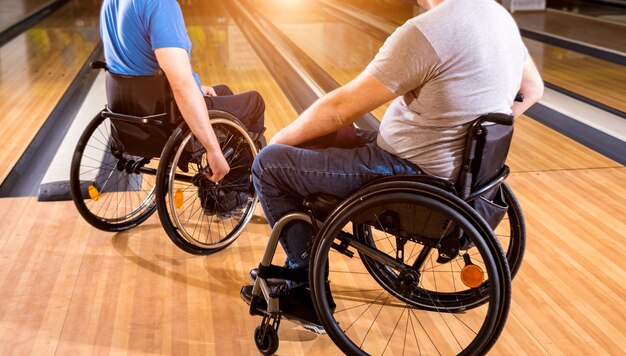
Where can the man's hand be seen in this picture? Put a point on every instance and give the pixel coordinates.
(208, 91)
(219, 166)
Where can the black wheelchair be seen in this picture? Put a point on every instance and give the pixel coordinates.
(410, 264)
(138, 155)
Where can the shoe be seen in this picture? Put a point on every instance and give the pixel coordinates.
(246, 295)
(295, 304)
(230, 203)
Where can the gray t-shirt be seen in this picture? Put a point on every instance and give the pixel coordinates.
(449, 65)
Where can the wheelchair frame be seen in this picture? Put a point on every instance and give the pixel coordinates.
(266, 336)
(126, 164)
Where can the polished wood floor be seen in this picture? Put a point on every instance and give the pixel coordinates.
(67, 288)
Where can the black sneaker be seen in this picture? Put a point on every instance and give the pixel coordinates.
(295, 304)
(246, 295)
(229, 203)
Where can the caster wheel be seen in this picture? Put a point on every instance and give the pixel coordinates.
(268, 343)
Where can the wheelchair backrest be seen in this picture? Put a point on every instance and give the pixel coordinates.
(488, 143)
(138, 96)
(147, 97)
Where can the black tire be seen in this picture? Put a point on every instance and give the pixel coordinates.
(267, 342)
(352, 285)
(515, 223)
(511, 235)
(110, 198)
(189, 205)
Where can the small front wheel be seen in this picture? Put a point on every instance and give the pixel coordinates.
(266, 339)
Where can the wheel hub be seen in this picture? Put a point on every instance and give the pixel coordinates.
(407, 282)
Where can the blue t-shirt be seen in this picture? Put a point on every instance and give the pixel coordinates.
(132, 29)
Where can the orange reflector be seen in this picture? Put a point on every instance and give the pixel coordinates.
(93, 193)
(472, 276)
(178, 198)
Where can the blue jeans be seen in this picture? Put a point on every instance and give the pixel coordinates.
(284, 175)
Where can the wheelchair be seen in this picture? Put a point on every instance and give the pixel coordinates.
(409, 264)
(138, 155)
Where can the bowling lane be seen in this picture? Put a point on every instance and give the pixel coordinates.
(36, 68)
(594, 78)
(222, 55)
(340, 49)
(574, 27)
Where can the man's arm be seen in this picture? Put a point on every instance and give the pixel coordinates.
(175, 64)
(335, 110)
(531, 87)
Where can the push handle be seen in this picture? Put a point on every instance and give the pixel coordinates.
(98, 65)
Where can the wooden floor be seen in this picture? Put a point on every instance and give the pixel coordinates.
(67, 288)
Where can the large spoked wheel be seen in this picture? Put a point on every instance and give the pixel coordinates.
(511, 235)
(410, 302)
(112, 190)
(199, 216)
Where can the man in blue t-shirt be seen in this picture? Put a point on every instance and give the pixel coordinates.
(140, 36)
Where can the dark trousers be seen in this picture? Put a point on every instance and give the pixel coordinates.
(248, 107)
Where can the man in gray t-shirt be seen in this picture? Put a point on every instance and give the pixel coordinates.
(443, 69)
(447, 68)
